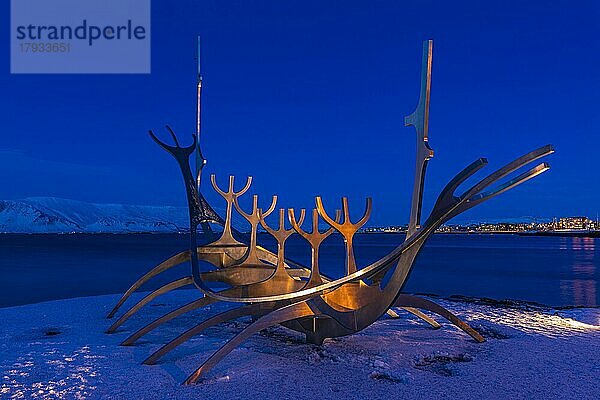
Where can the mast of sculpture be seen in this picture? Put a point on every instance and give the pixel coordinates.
(200, 160)
(420, 120)
(207, 212)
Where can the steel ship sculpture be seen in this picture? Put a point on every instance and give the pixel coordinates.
(274, 290)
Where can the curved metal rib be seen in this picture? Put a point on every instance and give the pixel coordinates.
(163, 266)
(447, 195)
(288, 313)
(404, 300)
(525, 176)
(164, 289)
(202, 302)
(190, 333)
(392, 314)
(434, 324)
(511, 167)
(184, 256)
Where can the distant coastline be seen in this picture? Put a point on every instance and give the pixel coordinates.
(561, 227)
(50, 215)
(588, 234)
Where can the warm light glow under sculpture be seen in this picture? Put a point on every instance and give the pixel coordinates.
(274, 290)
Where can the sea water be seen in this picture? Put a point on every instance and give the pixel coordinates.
(554, 271)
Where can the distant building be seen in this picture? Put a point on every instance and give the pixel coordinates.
(574, 223)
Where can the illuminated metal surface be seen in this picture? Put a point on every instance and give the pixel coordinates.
(347, 228)
(251, 258)
(274, 290)
(314, 238)
(230, 195)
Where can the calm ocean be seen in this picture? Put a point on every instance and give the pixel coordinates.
(549, 270)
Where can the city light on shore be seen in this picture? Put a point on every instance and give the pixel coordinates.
(563, 225)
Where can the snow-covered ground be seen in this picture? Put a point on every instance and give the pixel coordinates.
(58, 350)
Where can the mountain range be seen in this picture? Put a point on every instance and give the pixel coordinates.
(55, 215)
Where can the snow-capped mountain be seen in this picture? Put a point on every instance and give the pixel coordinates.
(54, 215)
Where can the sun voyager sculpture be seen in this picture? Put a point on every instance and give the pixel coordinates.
(274, 290)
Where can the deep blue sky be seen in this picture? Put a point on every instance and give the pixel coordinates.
(309, 98)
